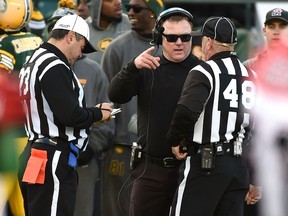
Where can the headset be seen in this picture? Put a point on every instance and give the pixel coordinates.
(158, 29)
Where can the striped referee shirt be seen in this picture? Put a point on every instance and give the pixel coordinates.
(53, 98)
(215, 103)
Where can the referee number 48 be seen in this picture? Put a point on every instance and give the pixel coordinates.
(247, 93)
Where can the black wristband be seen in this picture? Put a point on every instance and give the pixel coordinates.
(106, 109)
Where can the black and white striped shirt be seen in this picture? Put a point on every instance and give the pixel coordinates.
(215, 103)
(53, 98)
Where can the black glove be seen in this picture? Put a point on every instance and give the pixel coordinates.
(86, 156)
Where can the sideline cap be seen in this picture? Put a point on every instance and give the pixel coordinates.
(76, 24)
(221, 29)
(276, 13)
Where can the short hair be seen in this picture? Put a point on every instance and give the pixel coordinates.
(59, 34)
(178, 18)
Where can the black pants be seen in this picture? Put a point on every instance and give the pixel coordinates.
(57, 195)
(153, 189)
(252, 210)
(220, 192)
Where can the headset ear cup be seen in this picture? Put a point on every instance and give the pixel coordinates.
(157, 35)
(154, 36)
(159, 38)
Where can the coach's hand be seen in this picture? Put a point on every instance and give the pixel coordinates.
(147, 60)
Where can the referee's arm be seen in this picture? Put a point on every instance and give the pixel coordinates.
(195, 93)
(59, 92)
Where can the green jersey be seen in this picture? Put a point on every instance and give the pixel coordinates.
(15, 48)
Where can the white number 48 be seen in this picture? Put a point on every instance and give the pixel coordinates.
(248, 94)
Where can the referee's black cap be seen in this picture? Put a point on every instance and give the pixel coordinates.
(276, 14)
(221, 29)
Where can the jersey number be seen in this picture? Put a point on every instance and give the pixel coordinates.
(24, 78)
(248, 94)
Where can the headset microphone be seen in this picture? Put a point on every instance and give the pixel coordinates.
(152, 43)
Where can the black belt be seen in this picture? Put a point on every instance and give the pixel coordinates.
(46, 140)
(167, 162)
(220, 148)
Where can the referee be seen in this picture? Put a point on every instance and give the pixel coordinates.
(57, 120)
(211, 119)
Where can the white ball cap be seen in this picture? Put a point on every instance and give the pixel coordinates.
(76, 24)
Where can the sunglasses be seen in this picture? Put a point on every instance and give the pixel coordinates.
(174, 37)
(136, 8)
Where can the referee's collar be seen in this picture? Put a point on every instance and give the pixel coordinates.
(222, 55)
(56, 51)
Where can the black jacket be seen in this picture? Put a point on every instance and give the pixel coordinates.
(158, 92)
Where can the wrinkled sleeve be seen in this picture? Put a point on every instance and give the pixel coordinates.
(124, 85)
(58, 90)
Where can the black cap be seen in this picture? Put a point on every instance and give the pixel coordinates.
(276, 14)
(221, 29)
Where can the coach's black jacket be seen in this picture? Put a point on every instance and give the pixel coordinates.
(158, 92)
